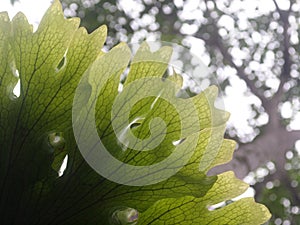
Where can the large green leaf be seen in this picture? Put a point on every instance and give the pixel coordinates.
(67, 86)
(189, 210)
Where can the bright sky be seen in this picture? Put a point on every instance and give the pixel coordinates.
(33, 9)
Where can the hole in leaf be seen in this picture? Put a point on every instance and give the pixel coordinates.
(133, 125)
(17, 89)
(124, 75)
(249, 193)
(63, 166)
(120, 87)
(14, 91)
(122, 136)
(216, 206)
(123, 78)
(61, 64)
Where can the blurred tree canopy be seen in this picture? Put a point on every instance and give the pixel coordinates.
(249, 44)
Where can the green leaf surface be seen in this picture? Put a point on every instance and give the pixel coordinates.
(189, 210)
(61, 70)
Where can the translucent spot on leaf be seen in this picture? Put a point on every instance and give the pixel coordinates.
(63, 166)
(17, 89)
(56, 141)
(125, 216)
(155, 100)
(16, 73)
(178, 142)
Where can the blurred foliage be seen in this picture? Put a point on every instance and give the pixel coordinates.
(143, 18)
(282, 197)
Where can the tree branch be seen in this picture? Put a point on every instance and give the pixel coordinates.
(240, 70)
(294, 135)
(216, 41)
(284, 18)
